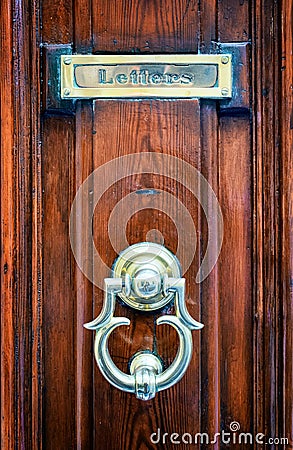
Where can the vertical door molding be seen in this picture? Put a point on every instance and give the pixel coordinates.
(286, 218)
(25, 255)
(20, 226)
(272, 174)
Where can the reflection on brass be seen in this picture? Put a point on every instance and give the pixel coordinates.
(138, 76)
(143, 277)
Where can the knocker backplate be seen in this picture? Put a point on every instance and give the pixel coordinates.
(146, 264)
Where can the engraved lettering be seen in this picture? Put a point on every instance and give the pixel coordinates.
(168, 78)
(174, 78)
(121, 78)
(133, 77)
(156, 78)
(186, 78)
(103, 77)
(143, 76)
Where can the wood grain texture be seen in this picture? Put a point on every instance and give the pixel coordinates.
(84, 290)
(156, 26)
(233, 20)
(36, 256)
(208, 25)
(258, 272)
(22, 211)
(269, 400)
(286, 187)
(8, 238)
(151, 126)
(57, 21)
(82, 26)
(234, 267)
(235, 284)
(19, 40)
(210, 302)
(60, 365)
(52, 394)
(59, 292)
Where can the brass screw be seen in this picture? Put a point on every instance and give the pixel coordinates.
(66, 91)
(225, 92)
(67, 61)
(225, 59)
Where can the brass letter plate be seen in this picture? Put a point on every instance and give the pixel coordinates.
(146, 76)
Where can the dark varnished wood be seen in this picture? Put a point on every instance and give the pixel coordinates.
(286, 215)
(210, 342)
(57, 21)
(152, 126)
(20, 112)
(153, 26)
(84, 291)
(59, 291)
(210, 345)
(270, 399)
(233, 18)
(52, 394)
(8, 243)
(234, 271)
(236, 355)
(36, 375)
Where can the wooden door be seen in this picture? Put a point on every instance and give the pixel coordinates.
(52, 394)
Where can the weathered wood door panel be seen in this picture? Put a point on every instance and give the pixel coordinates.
(53, 395)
